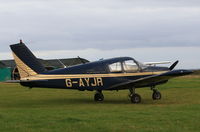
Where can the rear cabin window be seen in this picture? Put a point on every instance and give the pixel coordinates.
(115, 67)
(130, 66)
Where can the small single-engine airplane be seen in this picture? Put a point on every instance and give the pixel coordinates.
(109, 74)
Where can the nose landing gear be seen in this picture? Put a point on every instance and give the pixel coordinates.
(156, 94)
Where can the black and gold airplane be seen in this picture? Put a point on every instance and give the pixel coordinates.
(109, 74)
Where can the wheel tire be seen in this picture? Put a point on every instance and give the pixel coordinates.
(156, 95)
(136, 98)
(98, 97)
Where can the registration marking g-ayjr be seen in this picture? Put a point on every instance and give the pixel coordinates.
(85, 82)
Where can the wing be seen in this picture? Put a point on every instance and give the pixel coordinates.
(22, 81)
(155, 63)
(152, 80)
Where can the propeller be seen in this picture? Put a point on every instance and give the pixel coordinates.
(173, 65)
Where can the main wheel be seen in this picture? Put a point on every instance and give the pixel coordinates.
(98, 97)
(156, 95)
(135, 98)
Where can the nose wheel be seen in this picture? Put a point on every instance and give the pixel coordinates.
(156, 94)
(98, 96)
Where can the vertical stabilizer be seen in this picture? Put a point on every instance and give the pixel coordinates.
(27, 63)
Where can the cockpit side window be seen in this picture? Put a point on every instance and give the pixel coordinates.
(115, 67)
(130, 66)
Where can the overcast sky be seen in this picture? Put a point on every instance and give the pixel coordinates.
(148, 30)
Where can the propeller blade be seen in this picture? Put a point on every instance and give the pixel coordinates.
(173, 65)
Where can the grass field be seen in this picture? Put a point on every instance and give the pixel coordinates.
(52, 110)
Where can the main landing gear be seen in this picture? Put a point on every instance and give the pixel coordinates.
(98, 96)
(135, 98)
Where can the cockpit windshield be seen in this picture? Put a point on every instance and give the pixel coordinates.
(142, 66)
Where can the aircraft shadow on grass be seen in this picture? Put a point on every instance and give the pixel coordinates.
(57, 102)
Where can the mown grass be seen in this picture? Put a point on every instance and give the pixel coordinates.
(53, 110)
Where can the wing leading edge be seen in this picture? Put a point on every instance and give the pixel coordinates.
(152, 80)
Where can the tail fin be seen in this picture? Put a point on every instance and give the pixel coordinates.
(27, 63)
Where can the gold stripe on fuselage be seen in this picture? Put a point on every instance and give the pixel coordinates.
(68, 76)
